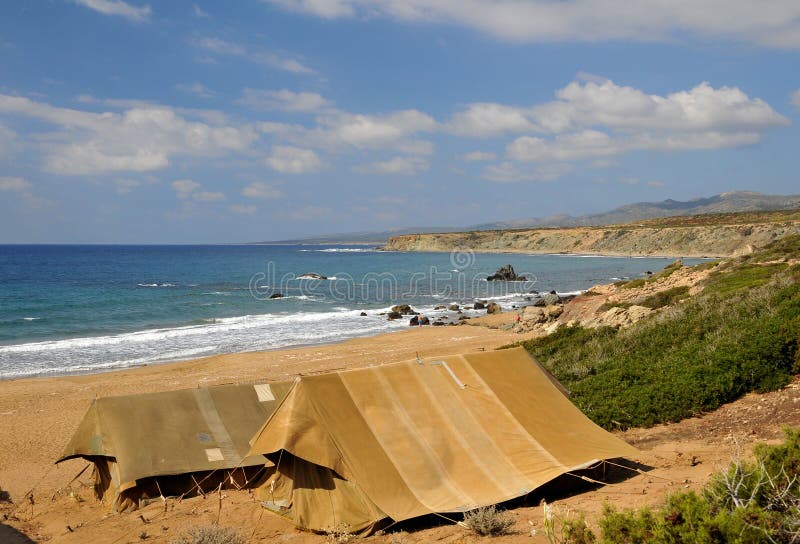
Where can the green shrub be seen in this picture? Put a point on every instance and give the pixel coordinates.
(608, 305)
(706, 265)
(780, 249)
(634, 284)
(741, 277)
(750, 502)
(667, 297)
(685, 360)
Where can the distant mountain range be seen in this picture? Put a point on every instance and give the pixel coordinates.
(735, 201)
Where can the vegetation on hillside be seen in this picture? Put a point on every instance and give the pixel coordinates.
(740, 334)
(750, 502)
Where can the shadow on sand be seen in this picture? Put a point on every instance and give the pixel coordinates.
(562, 487)
(9, 535)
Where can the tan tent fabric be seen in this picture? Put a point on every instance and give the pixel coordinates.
(190, 435)
(408, 439)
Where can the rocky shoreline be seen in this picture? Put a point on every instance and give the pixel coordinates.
(714, 240)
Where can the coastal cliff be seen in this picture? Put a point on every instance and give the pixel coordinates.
(692, 238)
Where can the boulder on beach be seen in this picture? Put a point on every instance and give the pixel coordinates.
(479, 305)
(424, 321)
(312, 276)
(414, 321)
(276, 295)
(404, 309)
(505, 273)
(551, 298)
(438, 323)
(493, 308)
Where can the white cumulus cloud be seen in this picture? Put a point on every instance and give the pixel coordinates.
(294, 160)
(509, 172)
(119, 8)
(259, 189)
(137, 140)
(473, 156)
(775, 25)
(184, 187)
(243, 209)
(14, 184)
(197, 89)
(267, 58)
(489, 119)
(8, 140)
(404, 166)
(282, 100)
(208, 196)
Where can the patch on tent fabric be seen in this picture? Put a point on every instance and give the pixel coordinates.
(264, 392)
(97, 444)
(204, 438)
(449, 370)
(214, 454)
(275, 506)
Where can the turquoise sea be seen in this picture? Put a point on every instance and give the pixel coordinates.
(72, 309)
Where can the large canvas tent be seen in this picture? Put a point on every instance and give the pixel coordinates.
(173, 442)
(350, 450)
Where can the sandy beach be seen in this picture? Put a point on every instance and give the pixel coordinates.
(40, 414)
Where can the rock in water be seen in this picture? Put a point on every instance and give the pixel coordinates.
(393, 315)
(404, 309)
(312, 276)
(363, 314)
(505, 273)
(276, 295)
(424, 321)
(493, 308)
(479, 305)
(453, 307)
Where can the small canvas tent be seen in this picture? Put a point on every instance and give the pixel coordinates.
(353, 448)
(173, 442)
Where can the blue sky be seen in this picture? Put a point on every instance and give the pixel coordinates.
(270, 119)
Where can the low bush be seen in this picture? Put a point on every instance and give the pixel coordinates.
(489, 521)
(210, 534)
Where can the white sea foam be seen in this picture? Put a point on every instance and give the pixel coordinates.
(31, 318)
(167, 284)
(224, 335)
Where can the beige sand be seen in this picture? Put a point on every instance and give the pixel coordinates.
(39, 416)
